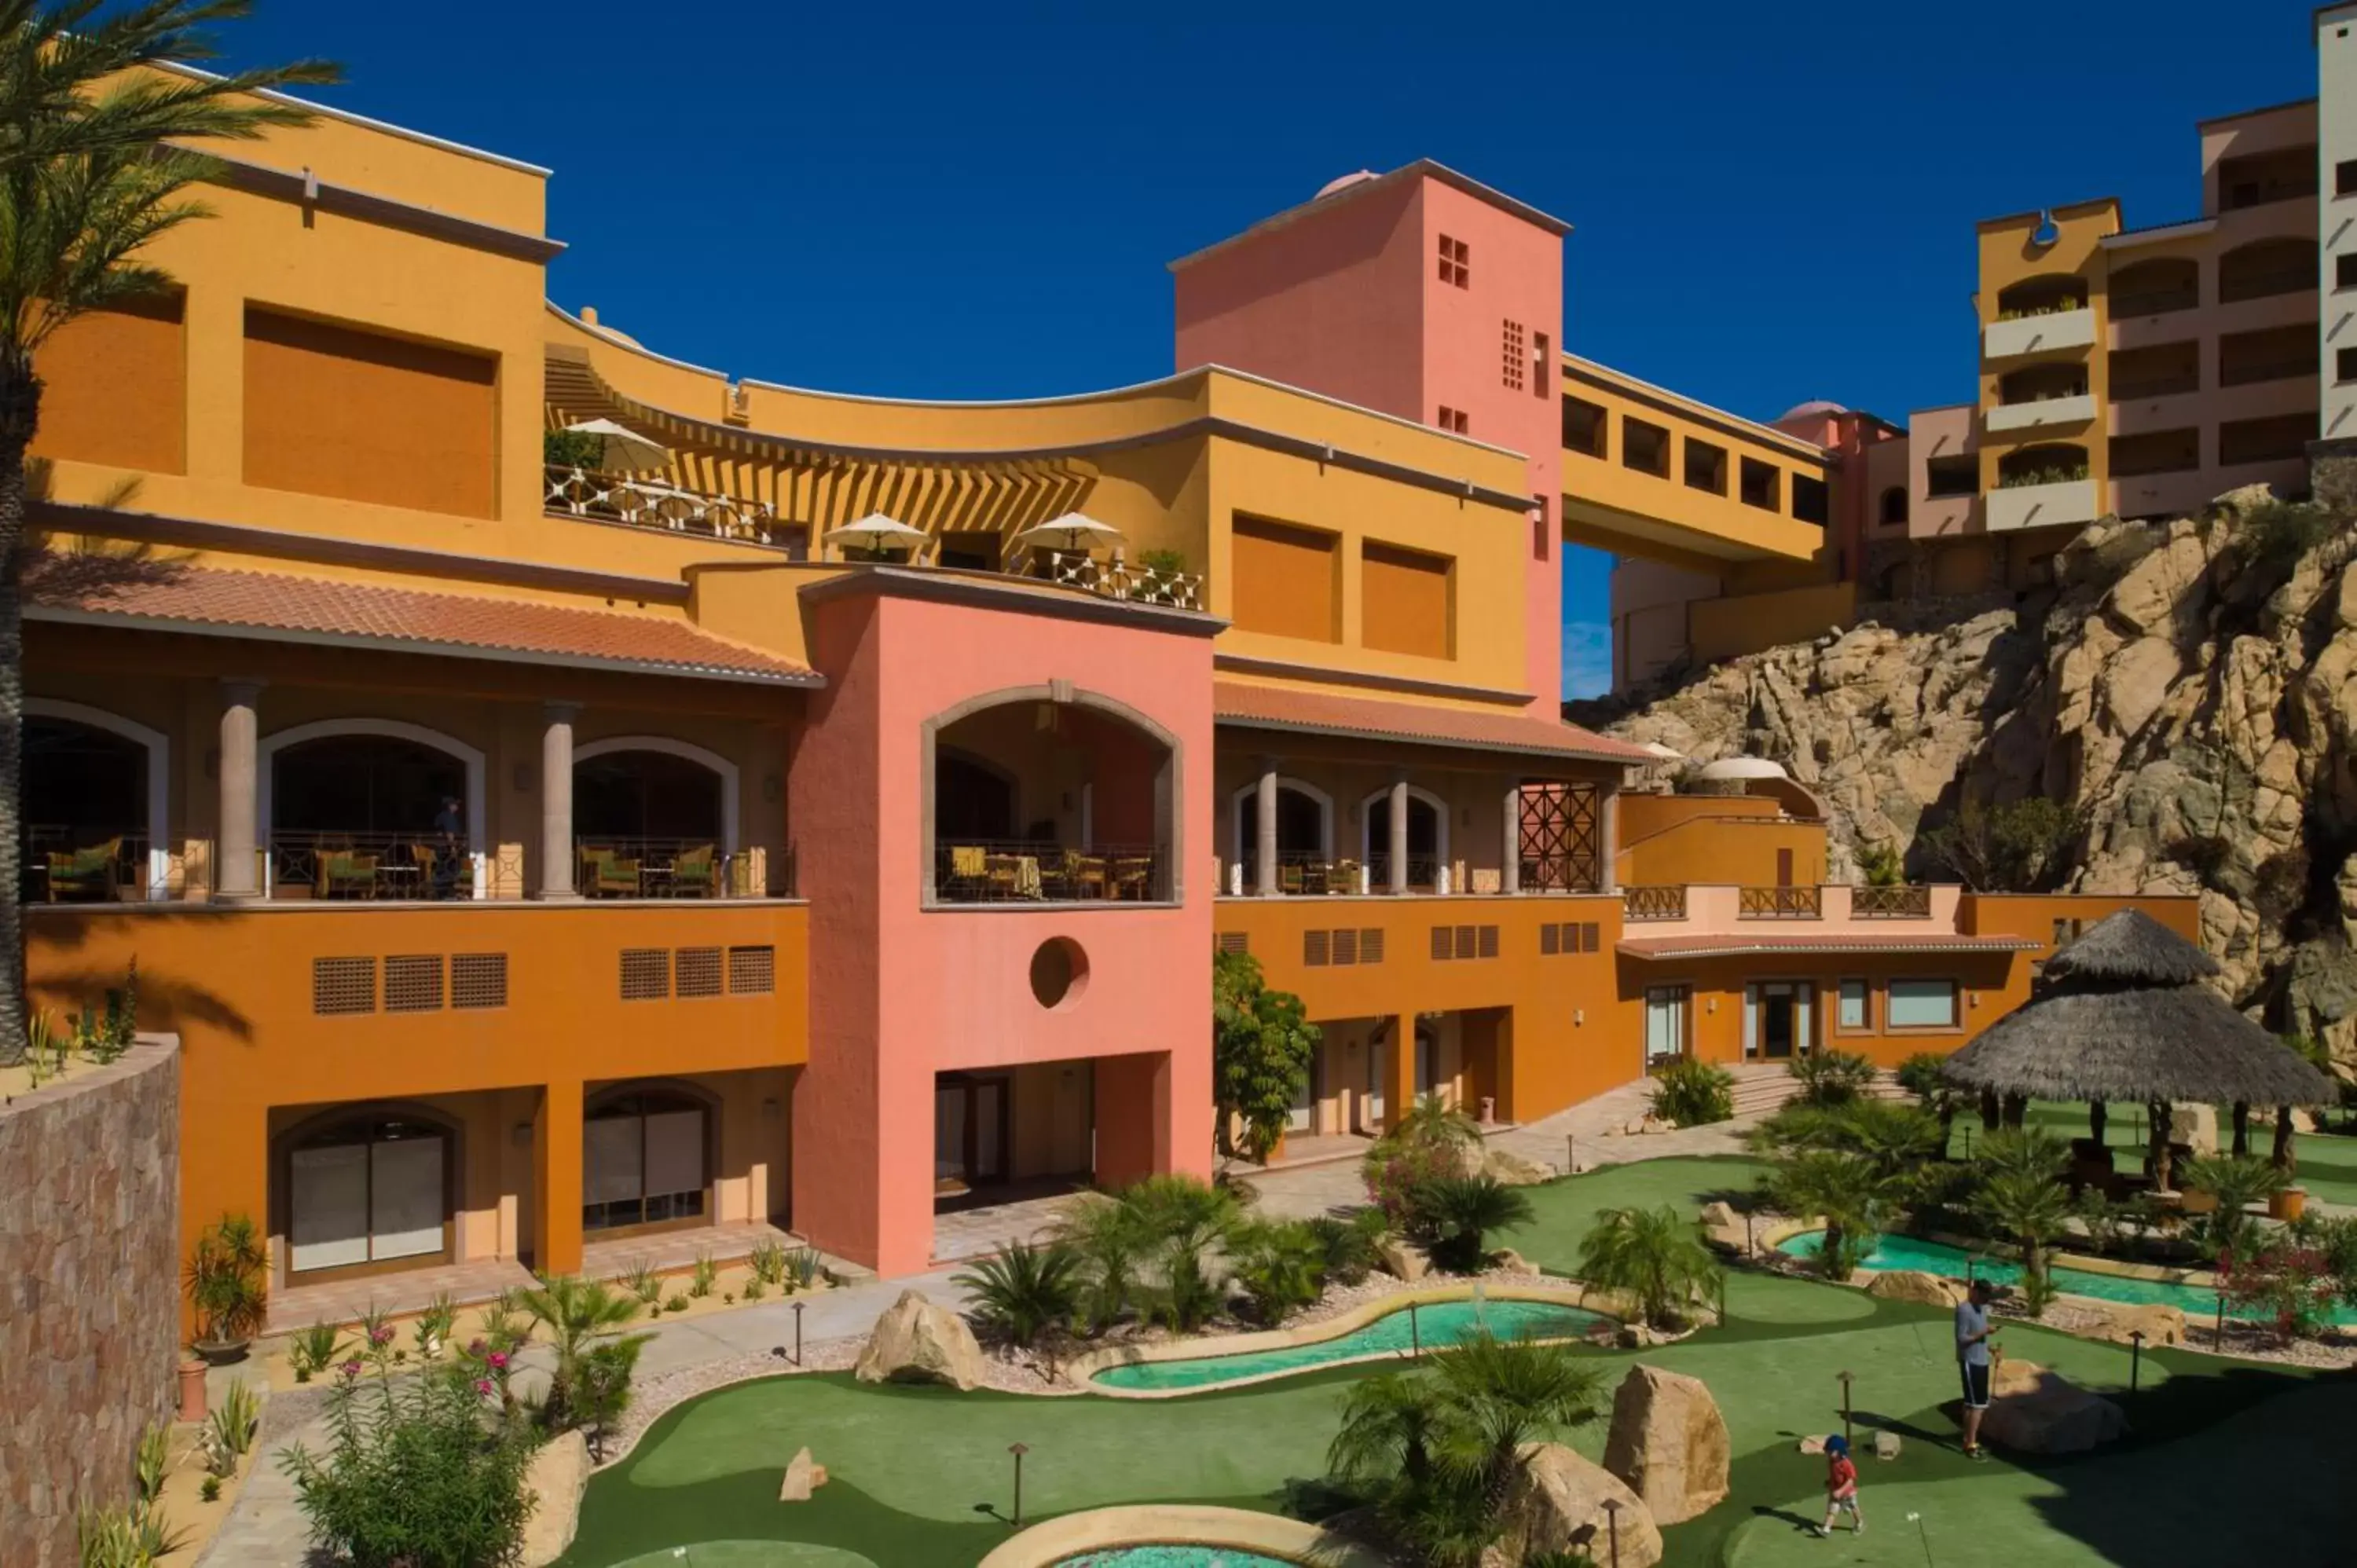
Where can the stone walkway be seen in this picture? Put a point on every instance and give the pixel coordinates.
(267, 1528)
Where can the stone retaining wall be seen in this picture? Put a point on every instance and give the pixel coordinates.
(89, 1290)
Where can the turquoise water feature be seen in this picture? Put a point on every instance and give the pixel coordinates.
(1893, 1252)
(1173, 1557)
(1438, 1324)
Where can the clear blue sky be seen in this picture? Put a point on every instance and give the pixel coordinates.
(978, 201)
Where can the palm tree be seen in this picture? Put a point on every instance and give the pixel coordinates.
(580, 1315)
(2233, 1184)
(1391, 1425)
(93, 165)
(1106, 1235)
(1843, 1189)
(1460, 1212)
(1025, 1289)
(1507, 1394)
(1178, 1219)
(1655, 1255)
(1280, 1263)
(1435, 1120)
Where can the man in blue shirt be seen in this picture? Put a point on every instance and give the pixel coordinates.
(1972, 1332)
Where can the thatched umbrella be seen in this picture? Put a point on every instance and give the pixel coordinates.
(2122, 1014)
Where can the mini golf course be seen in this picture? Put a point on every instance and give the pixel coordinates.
(2327, 1161)
(2230, 1462)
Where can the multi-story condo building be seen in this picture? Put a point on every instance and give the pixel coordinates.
(2134, 372)
(542, 824)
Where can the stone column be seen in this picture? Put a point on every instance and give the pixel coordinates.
(557, 799)
(1265, 834)
(235, 874)
(1397, 848)
(1510, 868)
(1608, 834)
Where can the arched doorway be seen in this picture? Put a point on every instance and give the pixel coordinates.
(368, 1190)
(653, 816)
(1427, 838)
(1305, 835)
(87, 809)
(370, 809)
(646, 1160)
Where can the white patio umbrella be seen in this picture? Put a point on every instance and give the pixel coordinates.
(625, 450)
(877, 531)
(1073, 530)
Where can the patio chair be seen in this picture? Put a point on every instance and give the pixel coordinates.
(346, 873)
(605, 874)
(695, 874)
(1133, 878)
(87, 873)
(1292, 878)
(969, 864)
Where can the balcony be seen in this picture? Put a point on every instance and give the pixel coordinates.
(2042, 334)
(1779, 904)
(639, 502)
(2048, 505)
(1907, 903)
(1019, 871)
(2072, 408)
(1120, 579)
(1664, 903)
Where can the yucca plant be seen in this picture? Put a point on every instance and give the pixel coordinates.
(432, 1330)
(231, 1427)
(1693, 1093)
(705, 1277)
(768, 1262)
(1023, 1292)
(1830, 1078)
(312, 1350)
(2234, 1182)
(802, 1268)
(645, 1284)
(224, 1278)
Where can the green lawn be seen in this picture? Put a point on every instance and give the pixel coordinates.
(2229, 1463)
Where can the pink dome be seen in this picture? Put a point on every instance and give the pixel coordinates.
(1814, 408)
(1344, 183)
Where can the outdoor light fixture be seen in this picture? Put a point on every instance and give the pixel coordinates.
(798, 1334)
(1845, 1377)
(1018, 1450)
(1612, 1521)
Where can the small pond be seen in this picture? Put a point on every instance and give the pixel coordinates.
(1893, 1252)
(1436, 1325)
(1173, 1557)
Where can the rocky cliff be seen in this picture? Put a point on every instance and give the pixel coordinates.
(2190, 691)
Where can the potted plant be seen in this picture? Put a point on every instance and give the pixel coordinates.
(226, 1288)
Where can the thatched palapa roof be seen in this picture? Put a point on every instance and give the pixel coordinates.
(2122, 1014)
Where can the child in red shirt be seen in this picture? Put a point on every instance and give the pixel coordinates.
(1841, 1486)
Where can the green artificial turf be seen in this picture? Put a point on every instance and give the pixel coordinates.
(2328, 1161)
(2228, 1461)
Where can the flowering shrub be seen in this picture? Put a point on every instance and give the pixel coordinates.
(2289, 1285)
(1398, 1172)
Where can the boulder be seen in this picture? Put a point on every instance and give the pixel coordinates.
(1510, 1262)
(1812, 1445)
(1557, 1505)
(1403, 1260)
(802, 1477)
(1908, 1284)
(1886, 1445)
(1719, 1213)
(2038, 1412)
(559, 1469)
(1505, 1165)
(916, 1341)
(2159, 1322)
(2195, 1126)
(1669, 1443)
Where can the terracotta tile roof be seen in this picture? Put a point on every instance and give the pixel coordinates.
(171, 596)
(1321, 713)
(1725, 944)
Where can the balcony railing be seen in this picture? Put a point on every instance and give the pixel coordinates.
(64, 865)
(371, 865)
(650, 503)
(1910, 903)
(2265, 285)
(2156, 386)
(1017, 871)
(625, 867)
(2155, 302)
(2293, 368)
(1119, 579)
(1655, 903)
(1779, 904)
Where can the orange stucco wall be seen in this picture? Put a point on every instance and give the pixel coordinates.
(1410, 600)
(115, 388)
(1680, 839)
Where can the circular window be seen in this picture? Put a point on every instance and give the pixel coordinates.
(1060, 971)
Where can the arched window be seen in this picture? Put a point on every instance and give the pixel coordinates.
(1894, 506)
(363, 784)
(1427, 837)
(369, 1189)
(2045, 295)
(642, 795)
(646, 1159)
(2265, 267)
(2048, 463)
(84, 814)
(2156, 287)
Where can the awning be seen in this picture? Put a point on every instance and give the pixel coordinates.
(1247, 706)
(1738, 944)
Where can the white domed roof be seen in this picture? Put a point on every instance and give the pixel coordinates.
(1811, 410)
(1343, 183)
(1743, 767)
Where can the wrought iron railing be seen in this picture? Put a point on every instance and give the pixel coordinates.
(1014, 871)
(1119, 579)
(1910, 903)
(1654, 902)
(367, 865)
(1423, 872)
(1779, 904)
(2155, 302)
(651, 503)
(2234, 289)
(619, 867)
(63, 864)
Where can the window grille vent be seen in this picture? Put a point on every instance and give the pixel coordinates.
(646, 974)
(343, 985)
(479, 979)
(752, 972)
(413, 982)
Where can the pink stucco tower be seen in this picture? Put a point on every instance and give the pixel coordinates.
(1421, 294)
